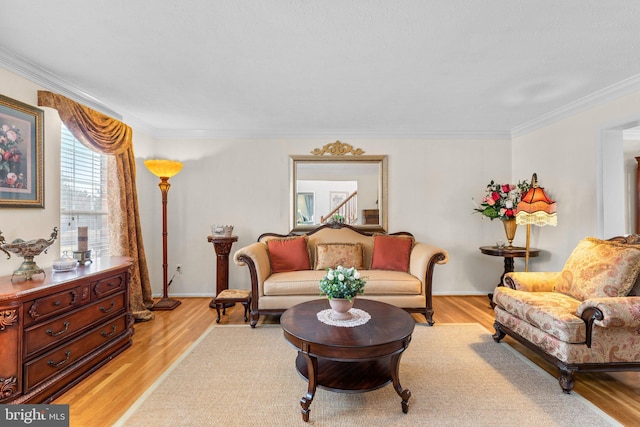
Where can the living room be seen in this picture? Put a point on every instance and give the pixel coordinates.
(434, 171)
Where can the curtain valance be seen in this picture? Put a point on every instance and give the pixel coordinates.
(95, 130)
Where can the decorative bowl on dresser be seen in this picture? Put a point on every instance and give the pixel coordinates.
(56, 331)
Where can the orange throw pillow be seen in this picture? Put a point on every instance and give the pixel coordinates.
(391, 253)
(290, 254)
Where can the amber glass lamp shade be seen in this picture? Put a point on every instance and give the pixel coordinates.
(163, 168)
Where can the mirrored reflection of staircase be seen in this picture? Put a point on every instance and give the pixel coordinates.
(346, 212)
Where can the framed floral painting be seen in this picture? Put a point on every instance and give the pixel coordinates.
(21, 155)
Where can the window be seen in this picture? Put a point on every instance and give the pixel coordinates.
(83, 196)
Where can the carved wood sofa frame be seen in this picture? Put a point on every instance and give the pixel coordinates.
(427, 310)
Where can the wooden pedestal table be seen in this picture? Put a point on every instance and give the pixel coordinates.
(222, 246)
(348, 359)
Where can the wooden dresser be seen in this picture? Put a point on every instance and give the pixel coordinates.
(58, 329)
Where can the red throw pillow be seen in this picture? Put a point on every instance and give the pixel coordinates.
(391, 253)
(289, 254)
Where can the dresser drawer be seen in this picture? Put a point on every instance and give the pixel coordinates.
(43, 335)
(109, 285)
(57, 360)
(53, 304)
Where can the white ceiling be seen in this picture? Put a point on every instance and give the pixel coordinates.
(327, 67)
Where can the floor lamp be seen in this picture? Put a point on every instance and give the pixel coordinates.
(535, 208)
(164, 169)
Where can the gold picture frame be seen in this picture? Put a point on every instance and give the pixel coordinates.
(21, 155)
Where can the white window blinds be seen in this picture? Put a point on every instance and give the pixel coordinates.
(83, 197)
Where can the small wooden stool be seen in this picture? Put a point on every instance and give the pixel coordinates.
(231, 296)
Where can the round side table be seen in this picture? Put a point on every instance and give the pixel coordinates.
(509, 253)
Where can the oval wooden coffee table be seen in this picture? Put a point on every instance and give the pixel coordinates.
(348, 359)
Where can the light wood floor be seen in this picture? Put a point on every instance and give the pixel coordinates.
(106, 395)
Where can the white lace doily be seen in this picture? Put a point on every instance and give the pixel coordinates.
(358, 317)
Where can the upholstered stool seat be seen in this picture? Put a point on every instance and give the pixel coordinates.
(231, 296)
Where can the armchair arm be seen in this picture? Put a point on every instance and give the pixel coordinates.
(531, 281)
(423, 259)
(612, 312)
(256, 257)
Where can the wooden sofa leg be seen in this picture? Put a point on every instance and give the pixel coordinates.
(254, 318)
(566, 379)
(429, 315)
(499, 332)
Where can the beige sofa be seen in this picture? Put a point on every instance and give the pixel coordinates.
(272, 293)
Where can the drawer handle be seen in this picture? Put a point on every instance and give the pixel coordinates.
(55, 365)
(55, 334)
(106, 310)
(107, 335)
(57, 303)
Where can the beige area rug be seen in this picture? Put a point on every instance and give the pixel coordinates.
(457, 374)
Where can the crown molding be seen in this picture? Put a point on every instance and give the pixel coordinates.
(324, 134)
(49, 81)
(609, 93)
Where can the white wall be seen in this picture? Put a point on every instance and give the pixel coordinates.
(431, 186)
(566, 157)
(246, 183)
(32, 223)
(631, 151)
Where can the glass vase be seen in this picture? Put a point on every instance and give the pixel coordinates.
(510, 227)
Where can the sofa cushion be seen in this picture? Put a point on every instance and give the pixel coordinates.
(331, 255)
(288, 254)
(391, 252)
(552, 312)
(379, 282)
(342, 235)
(599, 268)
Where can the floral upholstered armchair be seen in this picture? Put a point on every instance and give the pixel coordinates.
(585, 318)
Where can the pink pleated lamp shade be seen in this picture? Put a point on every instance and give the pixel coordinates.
(536, 207)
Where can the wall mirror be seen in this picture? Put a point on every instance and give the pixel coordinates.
(338, 188)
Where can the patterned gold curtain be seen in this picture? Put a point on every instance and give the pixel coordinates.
(106, 135)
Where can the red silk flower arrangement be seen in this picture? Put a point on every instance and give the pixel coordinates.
(501, 200)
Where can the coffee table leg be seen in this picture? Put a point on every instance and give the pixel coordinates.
(404, 394)
(312, 374)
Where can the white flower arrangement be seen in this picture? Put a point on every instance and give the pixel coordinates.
(342, 282)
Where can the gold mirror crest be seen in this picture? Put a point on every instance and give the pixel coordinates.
(337, 149)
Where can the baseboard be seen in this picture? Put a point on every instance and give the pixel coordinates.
(210, 295)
